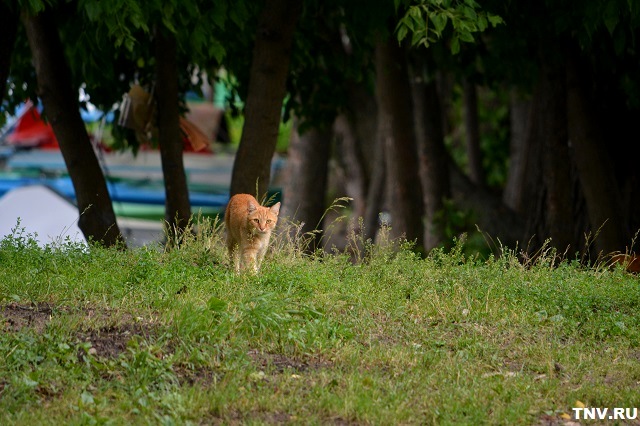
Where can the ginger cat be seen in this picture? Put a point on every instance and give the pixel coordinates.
(249, 227)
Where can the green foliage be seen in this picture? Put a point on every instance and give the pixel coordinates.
(120, 20)
(426, 21)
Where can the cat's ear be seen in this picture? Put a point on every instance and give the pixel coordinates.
(275, 209)
(251, 207)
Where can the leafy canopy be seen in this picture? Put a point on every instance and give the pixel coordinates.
(425, 21)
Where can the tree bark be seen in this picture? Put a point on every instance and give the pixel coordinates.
(514, 189)
(433, 157)
(494, 218)
(267, 78)
(60, 100)
(556, 159)
(350, 161)
(533, 195)
(376, 190)
(177, 205)
(369, 152)
(364, 114)
(472, 133)
(306, 184)
(594, 165)
(395, 121)
(9, 18)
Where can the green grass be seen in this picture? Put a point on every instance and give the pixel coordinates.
(145, 336)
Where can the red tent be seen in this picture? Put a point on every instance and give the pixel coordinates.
(30, 130)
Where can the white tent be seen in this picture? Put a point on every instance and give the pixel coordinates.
(45, 215)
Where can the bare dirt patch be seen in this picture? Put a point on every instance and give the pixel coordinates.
(200, 376)
(14, 317)
(107, 341)
(110, 342)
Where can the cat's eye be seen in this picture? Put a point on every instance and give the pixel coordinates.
(268, 220)
(256, 220)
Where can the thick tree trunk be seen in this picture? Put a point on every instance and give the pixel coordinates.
(514, 190)
(306, 183)
(594, 165)
(9, 18)
(533, 195)
(97, 218)
(267, 78)
(350, 161)
(364, 115)
(396, 127)
(376, 190)
(177, 206)
(472, 133)
(365, 161)
(494, 218)
(556, 164)
(433, 157)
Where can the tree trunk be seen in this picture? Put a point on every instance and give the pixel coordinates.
(306, 184)
(350, 161)
(514, 189)
(267, 78)
(533, 191)
(177, 205)
(97, 218)
(364, 114)
(396, 125)
(472, 133)
(376, 190)
(556, 160)
(594, 165)
(368, 161)
(433, 157)
(9, 18)
(494, 218)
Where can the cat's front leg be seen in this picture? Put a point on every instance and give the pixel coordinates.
(249, 260)
(234, 256)
(260, 256)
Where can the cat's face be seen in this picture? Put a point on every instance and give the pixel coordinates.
(263, 219)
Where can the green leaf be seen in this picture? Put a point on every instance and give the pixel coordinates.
(482, 22)
(416, 38)
(611, 17)
(466, 36)
(439, 22)
(168, 24)
(218, 51)
(219, 15)
(216, 305)
(455, 45)
(495, 20)
(409, 23)
(36, 6)
(401, 32)
(469, 13)
(93, 10)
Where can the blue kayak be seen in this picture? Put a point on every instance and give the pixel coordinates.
(120, 191)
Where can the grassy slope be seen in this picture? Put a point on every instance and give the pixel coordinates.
(149, 337)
